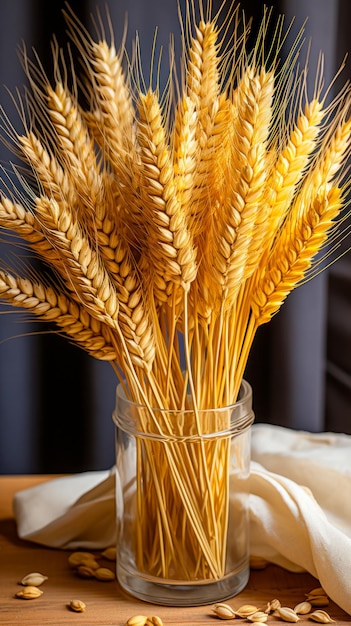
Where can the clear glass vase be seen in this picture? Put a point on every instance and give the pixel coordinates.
(182, 501)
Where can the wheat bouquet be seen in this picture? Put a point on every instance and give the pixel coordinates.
(174, 224)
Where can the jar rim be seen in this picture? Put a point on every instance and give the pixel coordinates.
(230, 420)
(245, 394)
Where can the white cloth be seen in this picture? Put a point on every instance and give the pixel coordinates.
(300, 506)
(71, 512)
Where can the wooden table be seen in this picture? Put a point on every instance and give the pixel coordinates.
(106, 602)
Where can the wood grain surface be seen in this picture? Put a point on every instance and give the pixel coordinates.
(105, 602)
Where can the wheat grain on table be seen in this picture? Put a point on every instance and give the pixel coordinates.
(105, 602)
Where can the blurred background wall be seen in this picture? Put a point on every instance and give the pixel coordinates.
(56, 402)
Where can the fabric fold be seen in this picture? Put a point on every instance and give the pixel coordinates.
(71, 512)
(289, 528)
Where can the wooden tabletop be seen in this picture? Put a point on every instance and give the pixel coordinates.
(105, 602)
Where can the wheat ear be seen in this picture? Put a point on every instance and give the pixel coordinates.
(108, 237)
(291, 163)
(255, 116)
(184, 149)
(75, 145)
(333, 154)
(211, 184)
(114, 118)
(51, 306)
(202, 75)
(294, 251)
(82, 268)
(116, 299)
(107, 85)
(202, 88)
(116, 124)
(170, 246)
(220, 143)
(111, 118)
(52, 177)
(235, 242)
(114, 102)
(15, 217)
(134, 316)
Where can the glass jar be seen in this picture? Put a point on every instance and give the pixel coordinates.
(182, 501)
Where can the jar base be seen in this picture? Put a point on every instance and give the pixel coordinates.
(167, 593)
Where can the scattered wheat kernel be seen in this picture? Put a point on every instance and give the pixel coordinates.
(318, 591)
(318, 600)
(137, 620)
(287, 614)
(80, 558)
(246, 609)
(273, 605)
(34, 579)
(84, 571)
(154, 620)
(321, 616)
(259, 616)
(109, 554)
(104, 574)
(91, 563)
(77, 605)
(29, 593)
(303, 608)
(258, 562)
(223, 611)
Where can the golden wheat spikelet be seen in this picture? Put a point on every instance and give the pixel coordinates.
(292, 161)
(333, 155)
(202, 75)
(212, 188)
(49, 305)
(111, 116)
(234, 244)
(202, 88)
(15, 218)
(114, 94)
(293, 252)
(114, 102)
(81, 266)
(108, 86)
(184, 149)
(219, 143)
(74, 142)
(170, 246)
(134, 316)
(52, 177)
(259, 118)
(113, 124)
